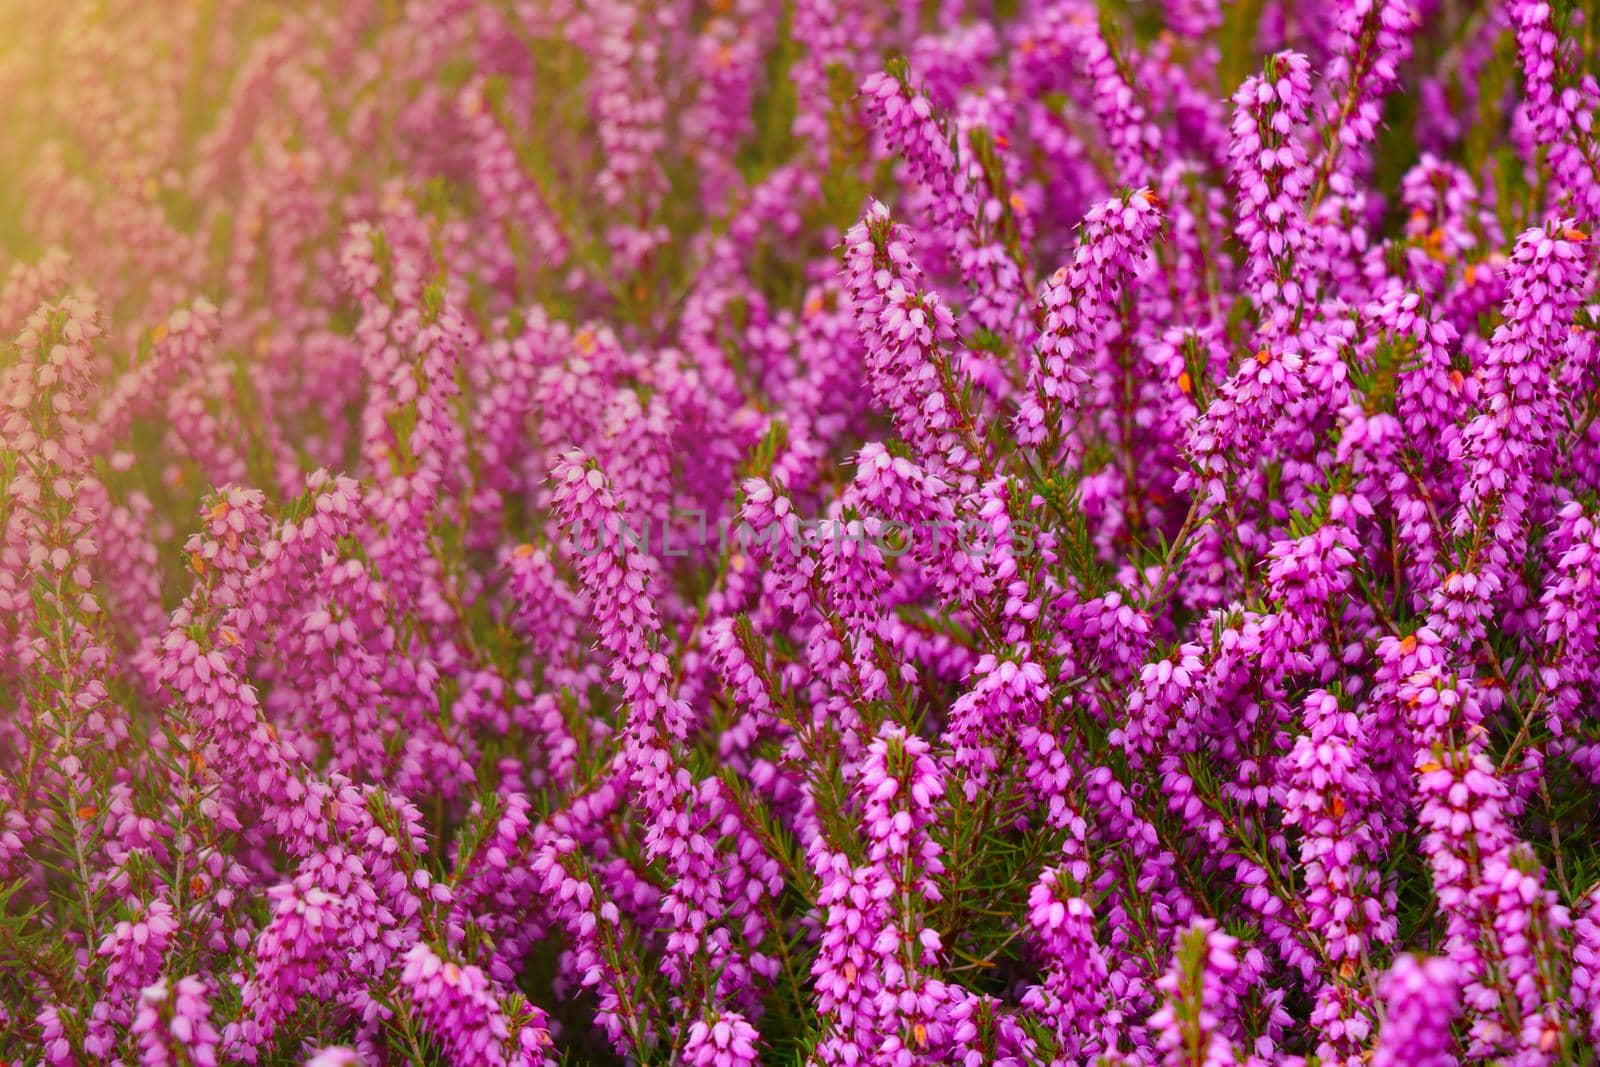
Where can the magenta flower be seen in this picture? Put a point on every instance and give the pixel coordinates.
(865, 535)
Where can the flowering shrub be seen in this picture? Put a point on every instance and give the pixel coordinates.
(810, 532)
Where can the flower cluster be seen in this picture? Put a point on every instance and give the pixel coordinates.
(734, 532)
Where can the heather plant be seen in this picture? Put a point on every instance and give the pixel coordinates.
(799, 532)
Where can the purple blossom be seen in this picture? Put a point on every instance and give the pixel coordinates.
(1420, 999)
(544, 531)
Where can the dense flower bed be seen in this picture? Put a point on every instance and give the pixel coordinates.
(719, 532)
